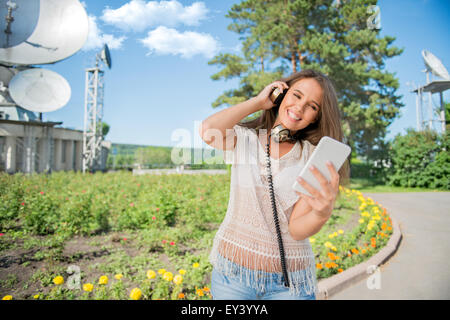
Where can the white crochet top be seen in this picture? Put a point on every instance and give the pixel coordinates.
(245, 245)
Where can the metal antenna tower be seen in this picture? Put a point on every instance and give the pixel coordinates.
(93, 112)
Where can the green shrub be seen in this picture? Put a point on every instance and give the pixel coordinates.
(420, 159)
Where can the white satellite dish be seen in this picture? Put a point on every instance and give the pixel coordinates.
(105, 56)
(435, 65)
(41, 31)
(39, 90)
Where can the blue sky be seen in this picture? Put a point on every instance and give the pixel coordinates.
(160, 80)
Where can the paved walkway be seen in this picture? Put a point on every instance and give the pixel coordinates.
(419, 269)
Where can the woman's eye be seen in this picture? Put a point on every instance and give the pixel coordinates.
(311, 105)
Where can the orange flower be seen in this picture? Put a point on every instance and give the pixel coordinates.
(200, 292)
(181, 295)
(355, 251)
(389, 228)
(340, 270)
(363, 251)
(319, 266)
(206, 289)
(328, 265)
(383, 226)
(349, 255)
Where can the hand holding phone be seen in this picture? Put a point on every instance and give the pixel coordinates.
(328, 149)
(266, 95)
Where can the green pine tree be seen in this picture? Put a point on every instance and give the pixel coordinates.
(337, 38)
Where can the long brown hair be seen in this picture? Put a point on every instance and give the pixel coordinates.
(328, 122)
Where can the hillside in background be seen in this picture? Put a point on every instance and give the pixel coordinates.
(128, 155)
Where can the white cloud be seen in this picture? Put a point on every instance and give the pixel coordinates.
(96, 38)
(138, 15)
(165, 40)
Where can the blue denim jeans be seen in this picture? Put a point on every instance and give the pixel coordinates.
(230, 288)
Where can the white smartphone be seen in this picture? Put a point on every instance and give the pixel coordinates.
(328, 149)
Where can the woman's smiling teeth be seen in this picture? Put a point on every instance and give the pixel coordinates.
(292, 116)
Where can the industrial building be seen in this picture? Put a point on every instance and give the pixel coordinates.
(30, 145)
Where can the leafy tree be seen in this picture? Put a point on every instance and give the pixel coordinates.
(105, 129)
(329, 36)
(420, 159)
(152, 155)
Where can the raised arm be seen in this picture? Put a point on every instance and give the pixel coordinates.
(217, 129)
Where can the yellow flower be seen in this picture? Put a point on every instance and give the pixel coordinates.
(195, 265)
(333, 248)
(371, 224)
(341, 231)
(88, 287)
(331, 236)
(328, 244)
(36, 296)
(182, 271)
(161, 271)
(312, 240)
(178, 279)
(168, 276)
(103, 280)
(7, 298)
(58, 280)
(361, 220)
(370, 201)
(365, 214)
(151, 274)
(118, 276)
(136, 294)
(335, 234)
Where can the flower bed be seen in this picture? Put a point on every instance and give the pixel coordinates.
(143, 237)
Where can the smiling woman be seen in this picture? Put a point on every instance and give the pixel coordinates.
(258, 253)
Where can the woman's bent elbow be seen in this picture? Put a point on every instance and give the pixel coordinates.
(295, 236)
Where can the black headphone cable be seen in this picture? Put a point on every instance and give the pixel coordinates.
(275, 216)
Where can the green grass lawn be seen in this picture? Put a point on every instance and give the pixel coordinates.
(368, 185)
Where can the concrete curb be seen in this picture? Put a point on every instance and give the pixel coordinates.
(332, 285)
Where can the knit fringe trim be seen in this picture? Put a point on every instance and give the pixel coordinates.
(302, 282)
